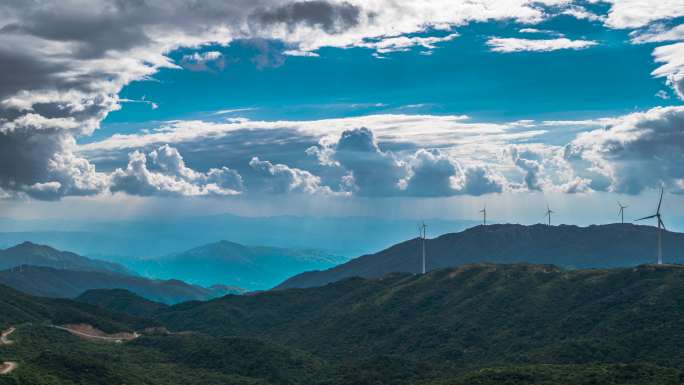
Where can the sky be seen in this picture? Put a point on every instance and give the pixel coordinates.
(387, 108)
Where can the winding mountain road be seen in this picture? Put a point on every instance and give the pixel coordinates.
(8, 366)
(5, 335)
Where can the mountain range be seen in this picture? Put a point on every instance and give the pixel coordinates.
(566, 246)
(60, 283)
(43, 271)
(347, 236)
(249, 267)
(481, 324)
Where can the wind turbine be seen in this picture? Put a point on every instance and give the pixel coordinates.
(423, 230)
(484, 214)
(661, 226)
(548, 213)
(621, 213)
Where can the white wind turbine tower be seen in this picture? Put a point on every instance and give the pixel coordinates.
(621, 213)
(548, 213)
(423, 233)
(661, 227)
(484, 215)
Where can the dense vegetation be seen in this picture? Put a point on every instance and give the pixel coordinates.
(18, 308)
(121, 301)
(598, 246)
(479, 324)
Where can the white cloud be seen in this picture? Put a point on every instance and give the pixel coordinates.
(581, 13)
(404, 43)
(639, 13)
(163, 172)
(672, 57)
(641, 150)
(280, 178)
(423, 130)
(658, 33)
(205, 61)
(511, 44)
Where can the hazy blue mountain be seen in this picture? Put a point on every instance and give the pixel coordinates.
(58, 283)
(229, 263)
(28, 253)
(348, 236)
(611, 245)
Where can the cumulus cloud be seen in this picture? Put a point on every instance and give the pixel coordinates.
(639, 151)
(163, 172)
(423, 173)
(511, 44)
(433, 173)
(280, 178)
(371, 170)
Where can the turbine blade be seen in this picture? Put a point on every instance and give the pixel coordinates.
(662, 224)
(649, 217)
(661, 200)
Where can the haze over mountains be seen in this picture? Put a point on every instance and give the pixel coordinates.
(566, 246)
(28, 253)
(43, 271)
(346, 236)
(253, 268)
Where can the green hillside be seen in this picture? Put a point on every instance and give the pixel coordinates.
(480, 324)
(121, 301)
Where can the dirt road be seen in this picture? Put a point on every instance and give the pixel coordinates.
(7, 367)
(116, 339)
(4, 336)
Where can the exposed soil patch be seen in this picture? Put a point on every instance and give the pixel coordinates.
(7, 367)
(89, 332)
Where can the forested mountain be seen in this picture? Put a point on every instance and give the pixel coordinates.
(476, 324)
(566, 246)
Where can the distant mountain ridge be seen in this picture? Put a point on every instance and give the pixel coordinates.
(224, 262)
(612, 245)
(28, 253)
(59, 283)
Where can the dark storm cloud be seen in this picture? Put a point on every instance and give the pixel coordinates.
(332, 18)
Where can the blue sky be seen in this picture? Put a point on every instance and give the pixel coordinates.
(462, 76)
(341, 107)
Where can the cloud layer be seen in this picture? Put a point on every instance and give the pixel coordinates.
(65, 63)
